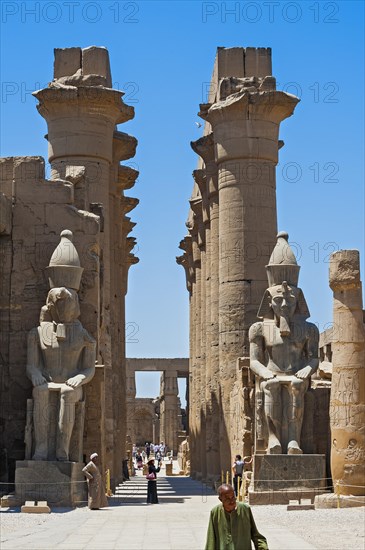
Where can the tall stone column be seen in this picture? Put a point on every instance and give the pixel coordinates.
(201, 208)
(347, 402)
(194, 366)
(186, 261)
(245, 120)
(208, 185)
(169, 410)
(82, 112)
(131, 404)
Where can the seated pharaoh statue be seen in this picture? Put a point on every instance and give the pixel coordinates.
(283, 355)
(61, 359)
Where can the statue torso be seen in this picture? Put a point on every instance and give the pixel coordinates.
(61, 355)
(285, 353)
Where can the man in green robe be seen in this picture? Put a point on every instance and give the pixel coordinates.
(231, 525)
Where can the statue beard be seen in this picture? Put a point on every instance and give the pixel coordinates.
(284, 325)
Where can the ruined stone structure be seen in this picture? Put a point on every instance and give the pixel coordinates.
(85, 193)
(231, 231)
(163, 415)
(347, 407)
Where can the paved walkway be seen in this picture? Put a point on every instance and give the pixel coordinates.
(179, 522)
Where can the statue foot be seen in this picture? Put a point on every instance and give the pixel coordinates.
(39, 456)
(294, 449)
(274, 447)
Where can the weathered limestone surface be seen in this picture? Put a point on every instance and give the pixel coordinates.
(231, 231)
(85, 194)
(347, 406)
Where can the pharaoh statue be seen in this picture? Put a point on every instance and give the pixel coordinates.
(61, 358)
(283, 354)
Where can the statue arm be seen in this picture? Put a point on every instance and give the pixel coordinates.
(311, 352)
(87, 371)
(257, 352)
(34, 359)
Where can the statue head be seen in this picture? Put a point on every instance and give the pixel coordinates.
(283, 300)
(63, 304)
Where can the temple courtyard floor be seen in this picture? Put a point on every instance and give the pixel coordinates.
(178, 522)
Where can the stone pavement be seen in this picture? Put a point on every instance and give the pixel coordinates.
(178, 522)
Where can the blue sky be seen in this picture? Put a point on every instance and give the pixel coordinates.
(162, 55)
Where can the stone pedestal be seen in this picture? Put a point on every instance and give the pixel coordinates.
(58, 483)
(280, 478)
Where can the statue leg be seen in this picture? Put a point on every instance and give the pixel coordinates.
(272, 391)
(41, 421)
(68, 397)
(298, 388)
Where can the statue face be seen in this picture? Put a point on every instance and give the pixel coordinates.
(283, 301)
(63, 304)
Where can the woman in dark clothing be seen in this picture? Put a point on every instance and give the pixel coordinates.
(152, 484)
(148, 450)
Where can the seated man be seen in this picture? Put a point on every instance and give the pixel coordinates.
(283, 351)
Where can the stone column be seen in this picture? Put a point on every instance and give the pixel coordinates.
(245, 120)
(347, 402)
(131, 403)
(82, 112)
(194, 366)
(186, 261)
(208, 186)
(201, 208)
(169, 410)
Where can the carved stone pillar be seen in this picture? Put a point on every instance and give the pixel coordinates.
(347, 402)
(245, 120)
(82, 112)
(201, 208)
(169, 410)
(131, 404)
(209, 189)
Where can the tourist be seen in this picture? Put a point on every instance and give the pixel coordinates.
(148, 450)
(134, 450)
(237, 470)
(96, 489)
(139, 460)
(152, 483)
(231, 524)
(162, 449)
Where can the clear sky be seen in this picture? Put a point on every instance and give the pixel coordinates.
(162, 55)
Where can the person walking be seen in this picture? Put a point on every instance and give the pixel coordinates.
(148, 450)
(237, 470)
(151, 482)
(95, 484)
(231, 525)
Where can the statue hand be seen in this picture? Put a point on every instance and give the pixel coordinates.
(304, 373)
(267, 375)
(75, 381)
(38, 379)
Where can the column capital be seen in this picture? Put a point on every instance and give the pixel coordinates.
(344, 271)
(200, 179)
(204, 147)
(246, 124)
